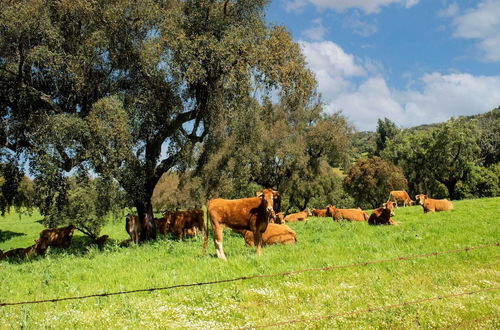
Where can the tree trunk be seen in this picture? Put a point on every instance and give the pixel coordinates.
(451, 188)
(145, 213)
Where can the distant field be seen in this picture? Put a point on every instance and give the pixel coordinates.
(310, 295)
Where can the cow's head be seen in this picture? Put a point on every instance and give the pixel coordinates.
(280, 218)
(267, 197)
(390, 207)
(421, 198)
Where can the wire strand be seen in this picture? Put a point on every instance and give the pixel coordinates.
(243, 278)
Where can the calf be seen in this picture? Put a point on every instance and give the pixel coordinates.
(274, 234)
(56, 237)
(253, 214)
(319, 212)
(347, 214)
(133, 227)
(400, 196)
(383, 215)
(299, 216)
(434, 205)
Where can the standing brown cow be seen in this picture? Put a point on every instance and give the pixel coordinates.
(347, 214)
(133, 227)
(399, 196)
(299, 216)
(253, 213)
(57, 237)
(274, 234)
(383, 215)
(434, 205)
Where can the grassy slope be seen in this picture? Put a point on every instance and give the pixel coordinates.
(81, 271)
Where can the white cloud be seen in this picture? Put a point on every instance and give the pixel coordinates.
(450, 11)
(317, 31)
(368, 6)
(483, 24)
(442, 97)
(327, 55)
(433, 97)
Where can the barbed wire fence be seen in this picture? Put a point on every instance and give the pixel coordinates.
(373, 309)
(250, 277)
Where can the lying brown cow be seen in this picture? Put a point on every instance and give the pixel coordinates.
(274, 234)
(253, 214)
(133, 227)
(299, 216)
(400, 196)
(383, 215)
(319, 212)
(56, 237)
(434, 205)
(280, 218)
(346, 214)
(182, 223)
(18, 253)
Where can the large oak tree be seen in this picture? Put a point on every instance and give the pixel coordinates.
(126, 89)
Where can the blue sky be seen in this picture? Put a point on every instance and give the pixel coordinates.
(412, 61)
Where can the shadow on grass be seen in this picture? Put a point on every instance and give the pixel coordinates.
(5, 235)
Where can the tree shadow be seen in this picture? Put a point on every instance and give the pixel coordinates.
(5, 235)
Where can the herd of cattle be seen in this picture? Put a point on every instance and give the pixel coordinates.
(254, 218)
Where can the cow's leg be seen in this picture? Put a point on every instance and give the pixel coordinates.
(257, 239)
(218, 238)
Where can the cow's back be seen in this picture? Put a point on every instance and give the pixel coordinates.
(234, 213)
(437, 205)
(274, 234)
(349, 214)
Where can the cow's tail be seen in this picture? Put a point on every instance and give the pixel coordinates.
(205, 238)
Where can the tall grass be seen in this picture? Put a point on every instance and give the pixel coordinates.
(83, 270)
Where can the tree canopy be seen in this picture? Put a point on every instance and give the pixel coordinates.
(128, 90)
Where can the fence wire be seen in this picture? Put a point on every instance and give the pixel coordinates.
(244, 278)
(373, 309)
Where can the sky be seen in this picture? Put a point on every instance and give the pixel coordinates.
(412, 61)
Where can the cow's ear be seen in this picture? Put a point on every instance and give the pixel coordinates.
(259, 194)
(276, 194)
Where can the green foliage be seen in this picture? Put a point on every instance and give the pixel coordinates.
(15, 189)
(482, 182)
(386, 130)
(369, 181)
(441, 155)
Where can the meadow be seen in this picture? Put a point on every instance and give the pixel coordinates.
(83, 270)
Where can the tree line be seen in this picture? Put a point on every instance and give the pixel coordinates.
(108, 104)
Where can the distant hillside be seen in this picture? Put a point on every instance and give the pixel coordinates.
(364, 142)
(483, 119)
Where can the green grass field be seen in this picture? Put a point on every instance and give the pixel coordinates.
(81, 270)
